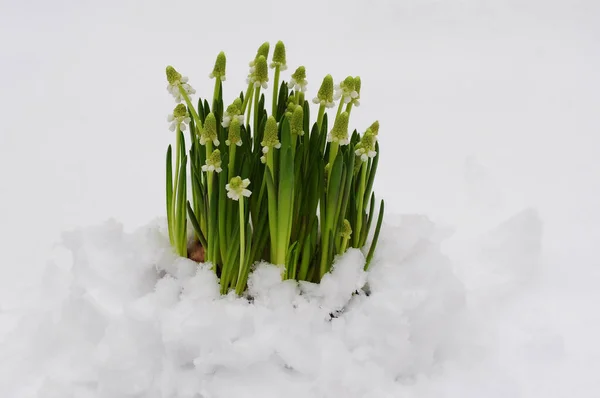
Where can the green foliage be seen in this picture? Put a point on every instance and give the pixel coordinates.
(304, 193)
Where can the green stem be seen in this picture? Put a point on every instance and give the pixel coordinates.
(247, 97)
(275, 90)
(359, 206)
(333, 150)
(242, 238)
(320, 116)
(248, 102)
(217, 89)
(340, 107)
(232, 149)
(349, 108)
(256, 97)
(188, 102)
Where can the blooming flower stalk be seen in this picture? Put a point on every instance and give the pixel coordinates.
(213, 162)
(179, 118)
(279, 63)
(233, 111)
(218, 73)
(324, 98)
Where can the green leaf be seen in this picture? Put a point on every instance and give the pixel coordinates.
(375, 236)
(169, 183)
(196, 225)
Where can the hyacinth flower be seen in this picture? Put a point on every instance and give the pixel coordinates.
(279, 63)
(299, 84)
(324, 98)
(346, 92)
(313, 182)
(263, 51)
(218, 73)
(237, 190)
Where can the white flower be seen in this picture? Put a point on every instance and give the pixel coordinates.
(237, 188)
(298, 86)
(213, 162)
(325, 103)
(173, 88)
(179, 118)
(227, 119)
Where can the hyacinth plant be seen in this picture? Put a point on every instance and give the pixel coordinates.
(270, 186)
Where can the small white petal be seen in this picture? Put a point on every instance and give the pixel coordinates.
(265, 149)
(265, 85)
(218, 169)
(278, 145)
(256, 84)
(316, 101)
(170, 118)
(204, 168)
(245, 182)
(239, 143)
(246, 193)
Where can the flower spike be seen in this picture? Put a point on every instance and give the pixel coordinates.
(213, 162)
(219, 68)
(298, 80)
(234, 137)
(175, 81)
(270, 139)
(210, 130)
(339, 132)
(325, 95)
(279, 58)
(260, 74)
(233, 111)
(297, 121)
(346, 90)
(179, 118)
(365, 149)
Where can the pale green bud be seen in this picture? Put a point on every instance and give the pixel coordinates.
(234, 137)
(291, 106)
(300, 74)
(365, 149)
(219, 69)
(210, 130)
(270, 139)
(172, 75)
(297, 121)
(298, 80)
(235, 108)
(325, 95)
(279, 56)
(261, 72)
(180, 111)
(346, 230)
(263, 50)
(374, 128)
(339, 132)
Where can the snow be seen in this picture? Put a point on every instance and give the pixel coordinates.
(485, 282)
(119, 315)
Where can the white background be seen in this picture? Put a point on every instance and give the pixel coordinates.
(485, 106)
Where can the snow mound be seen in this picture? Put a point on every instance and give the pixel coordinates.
(120, 316)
